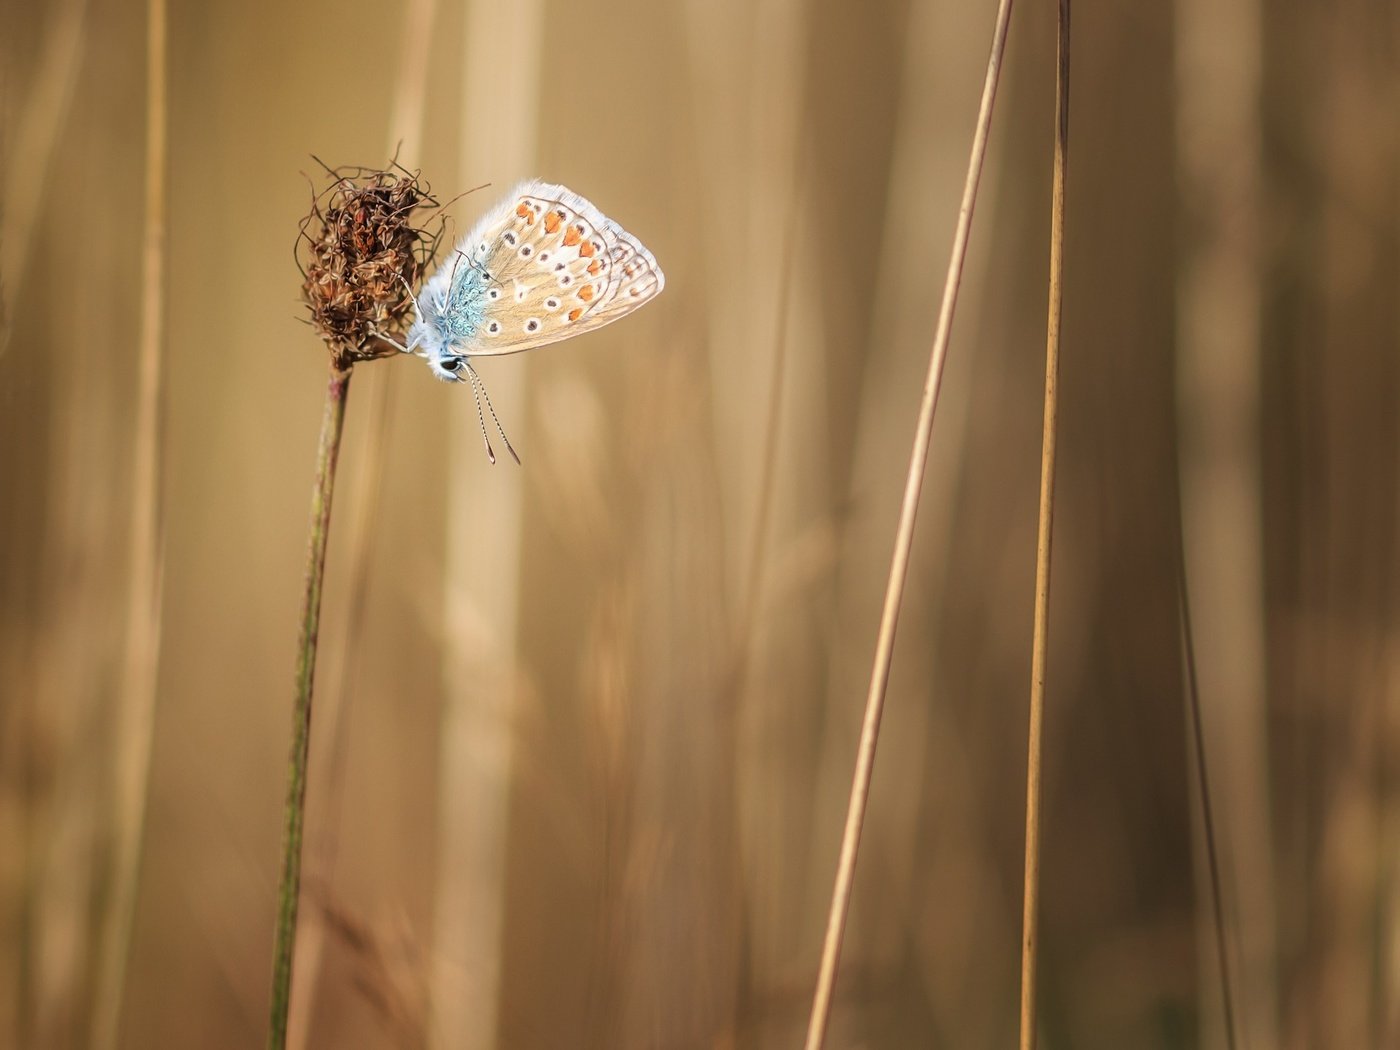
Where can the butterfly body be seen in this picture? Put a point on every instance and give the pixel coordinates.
(543, 265)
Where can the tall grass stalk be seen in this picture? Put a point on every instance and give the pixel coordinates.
(904, 541)
(30, 144)
(486, 503)
(1222, 272)
(1040, 641)
(27, 146)
(1198, 745)
(135, 717)
(289, 886)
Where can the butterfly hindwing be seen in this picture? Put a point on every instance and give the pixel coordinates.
(636, 279)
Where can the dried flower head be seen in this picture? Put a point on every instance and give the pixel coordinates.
(360, 253)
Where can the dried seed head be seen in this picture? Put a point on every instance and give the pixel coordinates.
(359, 253)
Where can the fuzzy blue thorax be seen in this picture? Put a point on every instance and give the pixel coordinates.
(452, 305)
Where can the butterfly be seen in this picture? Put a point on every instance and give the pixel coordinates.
(542, 265)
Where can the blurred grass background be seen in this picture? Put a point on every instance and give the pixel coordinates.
(599, 713)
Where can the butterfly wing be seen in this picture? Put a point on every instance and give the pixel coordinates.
(545, 265)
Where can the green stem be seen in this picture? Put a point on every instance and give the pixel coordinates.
(289, 888)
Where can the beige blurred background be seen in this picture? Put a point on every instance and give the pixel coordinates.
(582, 742)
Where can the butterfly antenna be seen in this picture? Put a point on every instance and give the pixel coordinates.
(452, 280)
(477, 384)
(481, 419)
(471, 262)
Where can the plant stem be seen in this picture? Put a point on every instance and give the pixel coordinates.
(135, 711)
(1198, 743)
(1030, 903)
(289, 887)
(903, 544)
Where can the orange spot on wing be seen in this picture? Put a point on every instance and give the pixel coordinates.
(551, 222)
(575, 313)
(523, 210)
(594, 267)
(573, 236)
(586, 292)
(586, 249)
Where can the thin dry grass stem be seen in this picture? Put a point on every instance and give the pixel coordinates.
(405, 133)
(1198, 743)
(332, 424)
(904, 539)
(1224, 440)
(27, 172)
(743, 643)
(135, 716)
(1030, 914)
(479, 668)
(772, 428)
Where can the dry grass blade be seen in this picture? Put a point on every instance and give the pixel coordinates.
(1222, 376)
(289, 889)
(135, 719)
(904, 540)
(1041, 633)
(31, 143)
(487, 504)
(1198, 743)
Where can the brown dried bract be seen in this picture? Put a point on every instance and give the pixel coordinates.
(360, 253)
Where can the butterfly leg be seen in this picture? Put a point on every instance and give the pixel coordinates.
(417, 312)
(413, 332)
(389, 339)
